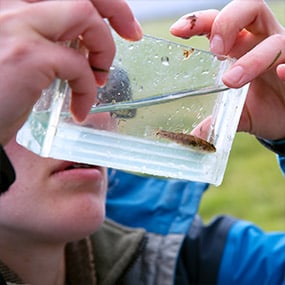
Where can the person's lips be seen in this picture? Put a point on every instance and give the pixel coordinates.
(76, 170)
(78, 165)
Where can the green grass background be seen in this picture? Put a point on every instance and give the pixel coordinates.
(253, 188)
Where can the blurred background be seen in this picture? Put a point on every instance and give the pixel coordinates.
(253, 188)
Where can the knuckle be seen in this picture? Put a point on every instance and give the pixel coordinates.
(20, 50)
(84, 7)
(7, 21)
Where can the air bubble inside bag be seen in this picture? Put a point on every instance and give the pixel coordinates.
(163, 106)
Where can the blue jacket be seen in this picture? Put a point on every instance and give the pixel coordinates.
(227, 251)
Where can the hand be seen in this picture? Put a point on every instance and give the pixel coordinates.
(30, 57)
(252, 34)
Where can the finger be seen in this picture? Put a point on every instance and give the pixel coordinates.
(265, 56)
(196, 23)
(32, 1)
(123, 22)
(65, 20)
(203, 128)
(72, 66)
(64, 63)
(255, 17)
(281, 71)
(120, 17)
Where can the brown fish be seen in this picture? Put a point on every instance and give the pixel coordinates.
(188, 140)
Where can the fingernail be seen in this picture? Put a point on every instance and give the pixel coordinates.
(217, 45)
(235, 77)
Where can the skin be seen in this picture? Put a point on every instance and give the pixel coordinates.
(50, 203)
(29, 32)
(257, 40)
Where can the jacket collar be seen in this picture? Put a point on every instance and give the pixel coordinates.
(114, 249)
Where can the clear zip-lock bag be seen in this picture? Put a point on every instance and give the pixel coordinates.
(164, 111)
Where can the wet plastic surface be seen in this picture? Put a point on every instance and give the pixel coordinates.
(164, 111)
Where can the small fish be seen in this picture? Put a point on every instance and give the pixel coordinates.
(186, 139)
(187, 53)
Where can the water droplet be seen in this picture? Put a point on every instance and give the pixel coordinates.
(186, 76)
(176, 76)
(165, 60)
(205, 72)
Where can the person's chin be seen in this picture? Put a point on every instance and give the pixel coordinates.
(82, 222)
